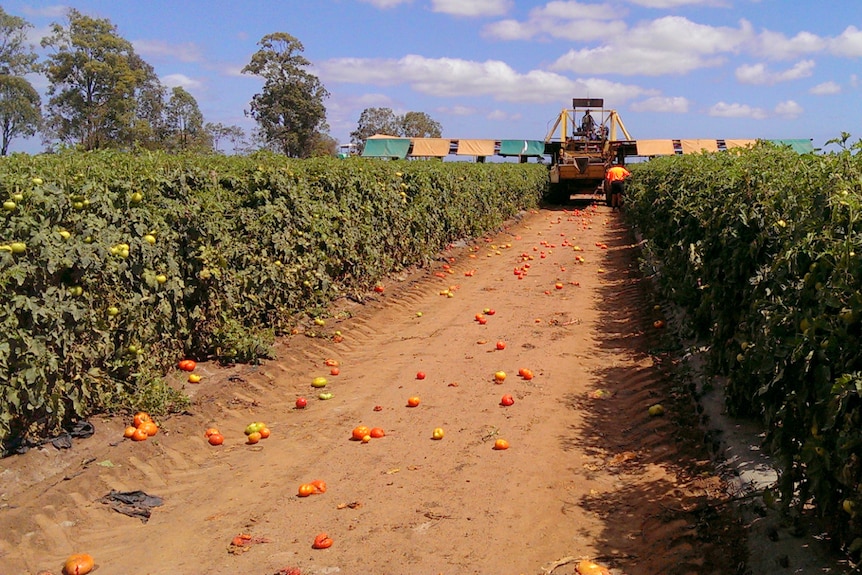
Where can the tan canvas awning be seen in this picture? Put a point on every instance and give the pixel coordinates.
(475, 148)
(698, 146)
(430, 147)
(655, 147)
(739, 143)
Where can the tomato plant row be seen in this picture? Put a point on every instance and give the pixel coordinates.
(763, 249)
(113, 266)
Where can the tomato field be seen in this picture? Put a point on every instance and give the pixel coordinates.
(114, 266)
(763, 251)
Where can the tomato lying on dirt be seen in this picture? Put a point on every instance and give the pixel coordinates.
(187, 365)
(412, 401)
(216, 438)
(501, 444)
(78, 564)
(306, 489)
(140, 434)
(360, 431)
(377, 432)
(507, 400)
(322, 541)
(141, 417)
(319, 485)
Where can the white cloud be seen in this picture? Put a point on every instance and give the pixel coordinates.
(452, 77)
(788, 109)
(567, 20)
(669, 45)
(826, 89)
(777, 46)
(173, 80)
(758, 73)
(676, 105)
(457, 110)
(675, 3)
(500, 115)
(186, 52)
(472, 7)
(848, 44)
(385, 3)
(724, 110)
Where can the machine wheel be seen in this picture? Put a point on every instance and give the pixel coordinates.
(558, 194)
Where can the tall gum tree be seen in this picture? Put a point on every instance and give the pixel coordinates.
(20, 104)
(95, 80)
(185, 122)
(289, 109)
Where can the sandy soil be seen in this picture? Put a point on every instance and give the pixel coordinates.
(589, 474)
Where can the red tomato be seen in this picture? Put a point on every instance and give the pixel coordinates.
(420, 375)
(187, 365)
(319, 485)
(306, 489)
(378, 288)
(360, 432)
(322, 541)
(413, 401)
(377, 432)
(334, 371)
(140, 418)
(507, 400)
(216, 439)
(501, 345)
(301, 402)
(264, 432)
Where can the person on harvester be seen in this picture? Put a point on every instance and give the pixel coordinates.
(616, 178)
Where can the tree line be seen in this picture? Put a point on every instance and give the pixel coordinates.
(102, 94)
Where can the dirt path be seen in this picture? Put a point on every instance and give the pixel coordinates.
(587, 475)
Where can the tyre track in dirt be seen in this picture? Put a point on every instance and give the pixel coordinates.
(584, 476)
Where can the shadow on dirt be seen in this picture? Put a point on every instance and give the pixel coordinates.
(672, 514)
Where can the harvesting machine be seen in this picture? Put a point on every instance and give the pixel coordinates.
(582, 144)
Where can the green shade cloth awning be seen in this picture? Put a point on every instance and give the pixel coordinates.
(800, 146)
(522, 148)
(386, 148)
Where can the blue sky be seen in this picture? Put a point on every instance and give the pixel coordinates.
(504, 69)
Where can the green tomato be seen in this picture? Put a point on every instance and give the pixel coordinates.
(137, 198)
(9, 206)
(161, 278)
(78, 205)
(64, 234)
(150, 239)
(76, 291)
(325, 395)
(254, 427)
(18, 197)
(132, 349)
(113, 311)
(18, 247)
(37, 181)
